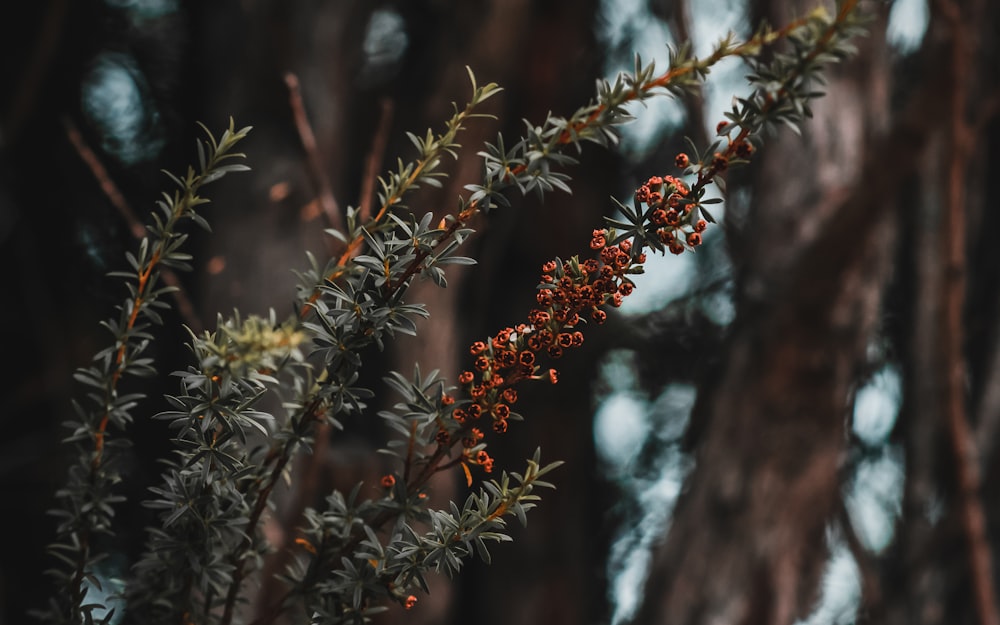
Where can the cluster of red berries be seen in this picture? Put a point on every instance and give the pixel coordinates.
(568, 291)
(473, 451)
(678, 226)
(572, 288)
(672, 214)
(740, 146)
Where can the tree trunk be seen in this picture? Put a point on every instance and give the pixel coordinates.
(748, 541)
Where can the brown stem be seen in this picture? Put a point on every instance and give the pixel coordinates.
(952, 335)
(241, 569)
(567, 136)
(374, 160)
(306, 492)
(114, 195)
(693, 102)
(409, 452)
(393, 287)
(317, 169)
(376, 523)
(281, 457)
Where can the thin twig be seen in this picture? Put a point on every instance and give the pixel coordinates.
(380, 519)
(967, 464)
(572, 131)
(138, 230)
(304, 496)
(694, 102)
(317, 169)
(262, 497)
(103, 179)
(374, 161)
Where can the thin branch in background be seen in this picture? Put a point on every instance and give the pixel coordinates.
(135, 226)
(987, 428)
(955, 284)
(104, 180)
(317, 169)
(374, 161)
(305, 495)
(679, 24)
(308, 485)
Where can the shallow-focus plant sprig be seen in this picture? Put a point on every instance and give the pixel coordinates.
(817, 40)
(207, 495)
(393, 188)
(528, 164)
(430, 419)
(86, 502)
(338, 334)
(350, 588)
(357, 553)
(668, 213)
(340, 321)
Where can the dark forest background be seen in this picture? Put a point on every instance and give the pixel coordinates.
(867, 245)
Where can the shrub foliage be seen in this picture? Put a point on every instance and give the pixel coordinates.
(355, 554)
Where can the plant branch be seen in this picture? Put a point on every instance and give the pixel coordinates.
(114, 195)
(952, 323)
(374, 160)
(317, 169)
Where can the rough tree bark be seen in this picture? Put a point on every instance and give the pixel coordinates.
(943, 515)
(814, 254)
(747, 542)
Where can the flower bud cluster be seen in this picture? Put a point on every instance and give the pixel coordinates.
(569, 293)
(671, 211)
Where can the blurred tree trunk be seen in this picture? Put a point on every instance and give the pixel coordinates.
(747, 544)
(941, 570)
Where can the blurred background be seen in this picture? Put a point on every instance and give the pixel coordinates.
(796, 424)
